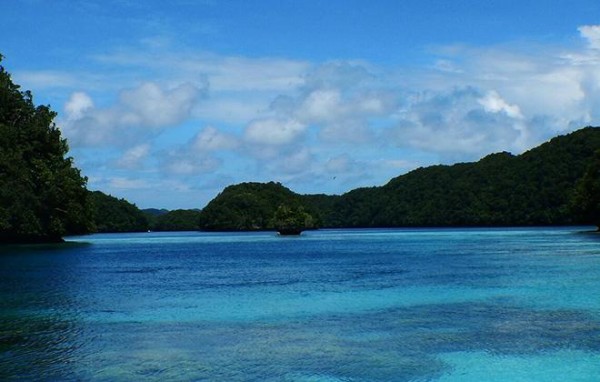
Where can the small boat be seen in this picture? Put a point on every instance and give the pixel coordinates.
(289, 231)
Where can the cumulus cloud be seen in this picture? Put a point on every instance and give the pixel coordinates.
(211, 139)
(145, 109)
(177, 164)
(462, 121)
(273, 131)
(339, 164)
(296, 162)
(340, 100)
(133, 157)
(122, 183)
(338, 75)
(349, 131)
(592, 34)
(200, 154)
(483, 99)
(321, 105)
(493, 103)
(151, 106)
(78, 104)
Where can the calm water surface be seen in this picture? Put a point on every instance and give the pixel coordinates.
(331, 305)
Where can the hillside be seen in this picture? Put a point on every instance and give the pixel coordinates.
(248, 206)
(42, 194)
(534, 188)
(176, 220)
(116, 215)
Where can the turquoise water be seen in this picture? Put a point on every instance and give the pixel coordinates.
(332, 305)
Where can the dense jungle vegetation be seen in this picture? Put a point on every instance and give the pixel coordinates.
(43, 196)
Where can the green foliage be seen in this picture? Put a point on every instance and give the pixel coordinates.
(177, 220)
(586, 201)
(42, 195)
(292, 220)
(117, 215)
(247, 206)
(152, 215)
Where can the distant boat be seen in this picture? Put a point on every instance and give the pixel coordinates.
(289, 231)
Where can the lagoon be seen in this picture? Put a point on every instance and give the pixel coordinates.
(518, 304)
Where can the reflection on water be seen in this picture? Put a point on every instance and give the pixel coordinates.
(376, 305)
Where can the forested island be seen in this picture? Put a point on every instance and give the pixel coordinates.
(45, 197)
(557, 183)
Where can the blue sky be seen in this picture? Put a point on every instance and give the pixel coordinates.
(166, 103)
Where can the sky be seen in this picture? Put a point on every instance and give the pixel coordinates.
(165, 103)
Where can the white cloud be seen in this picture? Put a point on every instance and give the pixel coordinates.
(145, 109)
(493, 103)
(127, 183)
(592, 34)
(399, 164)
(151, 106)
(199, 155)
(350, 131)
(339, 75)
(184, 164)
(210, 139)
(225, 73)
(273, 132)
(321, 105)
(233, 109)
(460, 122)
(78, 104)
(339, 164)
(247, 74)
(43, 79)
(133, 157)
(500, 97)
(296, 162)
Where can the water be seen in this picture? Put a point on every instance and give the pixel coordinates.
(333, 305)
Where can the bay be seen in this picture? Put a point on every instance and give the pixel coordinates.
(517, 304)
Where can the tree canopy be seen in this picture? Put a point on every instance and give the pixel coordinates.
(112, 214)
(586, 201)
(43, 195)
(292, 220)
(248, 206)
(177, 220)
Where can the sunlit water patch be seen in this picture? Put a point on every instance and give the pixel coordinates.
(331, 305)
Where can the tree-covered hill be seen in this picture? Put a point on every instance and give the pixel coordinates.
(534, 188)
(155, 212)
(248, 206)
(177, 220)
(586, 202)
(42, 195)
(116, 215)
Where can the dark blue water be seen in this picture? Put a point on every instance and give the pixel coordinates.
(347, 305)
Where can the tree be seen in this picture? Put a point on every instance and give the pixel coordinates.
(178, 220)
(117, 215)
(42, 195)
(292, 220)
(586, 201)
